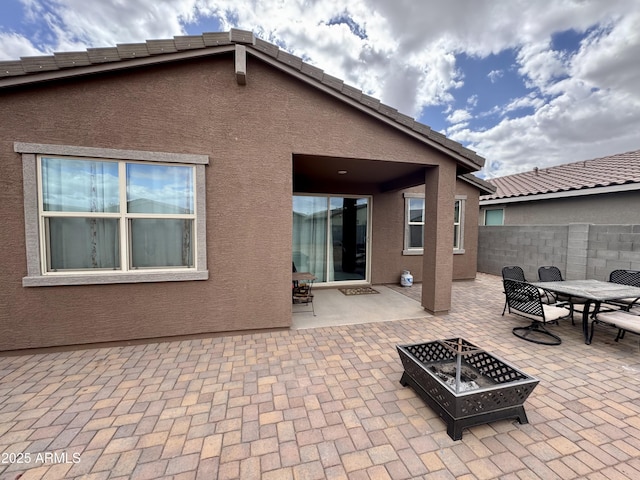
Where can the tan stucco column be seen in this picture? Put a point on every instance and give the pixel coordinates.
(437, 270)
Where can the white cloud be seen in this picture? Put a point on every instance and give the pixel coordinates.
(577, 125)
(459, 116)
(540, 65)
(585, 106)
(609, 60)
(14, 46)
(494, 75)
(529, 101)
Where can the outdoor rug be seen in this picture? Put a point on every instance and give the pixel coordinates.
(358, 290)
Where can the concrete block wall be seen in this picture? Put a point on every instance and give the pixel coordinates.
(529, 246)
(612, 247)
(579, 250)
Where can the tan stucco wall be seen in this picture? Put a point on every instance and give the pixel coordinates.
(465, 265)
(388, 237)
(249, 132)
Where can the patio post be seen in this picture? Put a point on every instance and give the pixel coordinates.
(437, 270)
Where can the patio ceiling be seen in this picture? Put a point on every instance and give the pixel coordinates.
(312, 173)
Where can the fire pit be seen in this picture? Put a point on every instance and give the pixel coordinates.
(464, 384)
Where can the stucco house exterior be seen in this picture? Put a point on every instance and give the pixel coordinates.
(163, 189)
(602, 190)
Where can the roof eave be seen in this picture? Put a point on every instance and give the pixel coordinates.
(485, 187)
(19, 80)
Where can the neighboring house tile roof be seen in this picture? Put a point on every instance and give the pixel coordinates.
(619, 172)
(93, 60)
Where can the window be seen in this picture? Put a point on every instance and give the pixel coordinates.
(414, 230)
(415, 221)
(494, 216)
(113, 216)
(458, 225)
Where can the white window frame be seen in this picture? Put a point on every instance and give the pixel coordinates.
(458, 240)
(36, 269)
(407, 223)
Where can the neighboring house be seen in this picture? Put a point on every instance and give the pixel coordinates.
(598, 191)
(162, 189)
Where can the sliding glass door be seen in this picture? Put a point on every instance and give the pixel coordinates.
(330, 237)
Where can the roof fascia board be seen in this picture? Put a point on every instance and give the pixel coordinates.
(627, 187)
(360, 106)
(485, 187)
(113, 66)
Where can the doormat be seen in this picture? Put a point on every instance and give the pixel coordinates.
(358, 290)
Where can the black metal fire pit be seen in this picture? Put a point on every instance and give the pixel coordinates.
(464, 384)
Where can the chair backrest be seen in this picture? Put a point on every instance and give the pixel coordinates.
(523, 297)
(625, 277)
(513, 272)
(550, 274)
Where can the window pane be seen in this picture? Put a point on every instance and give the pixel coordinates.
(310, 236)
(416, 236)
(83, 243)
(494, 217)
(456, 236)
(456, 213)
(79, 185)
(161, 243)
(416, 210)
(348, 219)
(159, 189)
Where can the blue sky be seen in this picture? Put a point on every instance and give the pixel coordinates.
(524, 84)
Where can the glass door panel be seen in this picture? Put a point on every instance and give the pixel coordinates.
(349, 236)
(310, 235)
(330, 237)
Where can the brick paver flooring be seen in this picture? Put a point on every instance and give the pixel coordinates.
(319, 403)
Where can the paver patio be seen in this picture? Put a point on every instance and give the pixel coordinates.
(318, 403)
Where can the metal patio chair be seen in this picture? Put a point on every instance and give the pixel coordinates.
(626, 311)
(302, 295)
(512, 272)
(523, 299)
(625, 277)
(624, 321)
(551, 273)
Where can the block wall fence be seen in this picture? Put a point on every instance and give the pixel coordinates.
(580, 250)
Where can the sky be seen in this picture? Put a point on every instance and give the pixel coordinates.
(523, 83)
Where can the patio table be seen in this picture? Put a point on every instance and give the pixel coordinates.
(593, 291)
(302, 276)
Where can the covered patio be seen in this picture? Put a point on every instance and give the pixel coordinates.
(315, 403)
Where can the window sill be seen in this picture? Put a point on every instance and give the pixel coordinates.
(421, 252)
(106, 279)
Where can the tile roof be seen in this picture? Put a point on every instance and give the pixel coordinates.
(48, 67)
(620, 169)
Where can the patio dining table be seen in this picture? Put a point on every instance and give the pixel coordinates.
(593, 291)
(302, 276)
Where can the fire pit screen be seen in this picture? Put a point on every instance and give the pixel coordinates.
(464, 384)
